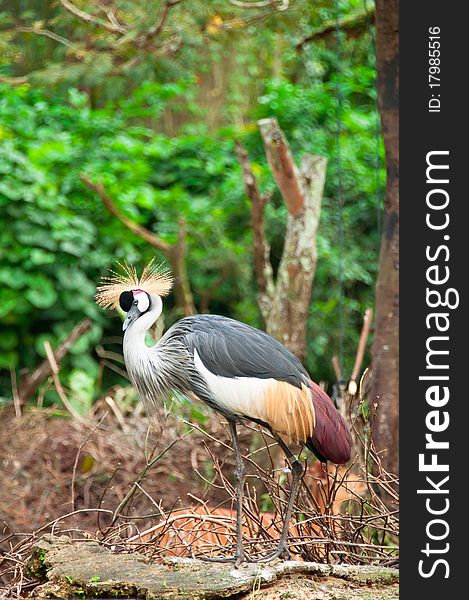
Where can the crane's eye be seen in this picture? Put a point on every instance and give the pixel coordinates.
(125, 301)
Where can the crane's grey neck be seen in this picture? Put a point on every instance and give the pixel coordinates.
(153, 370)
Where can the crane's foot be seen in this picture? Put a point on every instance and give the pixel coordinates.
(237, 559)
(282, 552)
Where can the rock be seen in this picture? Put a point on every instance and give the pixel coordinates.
(86, 569)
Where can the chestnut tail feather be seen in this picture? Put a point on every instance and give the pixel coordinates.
(331, 439)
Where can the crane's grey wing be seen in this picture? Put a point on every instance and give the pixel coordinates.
(229, 348)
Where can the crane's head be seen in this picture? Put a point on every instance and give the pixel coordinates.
(137, 303)
(140, 297)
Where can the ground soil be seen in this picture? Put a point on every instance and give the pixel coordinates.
(301, 587)
(52, 465)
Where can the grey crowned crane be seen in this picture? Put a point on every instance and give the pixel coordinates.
(241, 372)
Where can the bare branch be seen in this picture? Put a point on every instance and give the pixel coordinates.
(336, 367)
(84, 16)
(14, 80)
(279, 5)
(367, 318)
(158, 28)
(77, 456)
(30, 382)
(240, 24)
(14, 389)
(261, 248)
(352, 24)
(143, 474)
(282, 165)
(109, 11)
(176, 253)
(210, 290)
(142, 232)
(124, 35)
(54, 371)
(47, 33)
(177, 256)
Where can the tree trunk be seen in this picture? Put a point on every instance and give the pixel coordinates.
(285, 303)
(292, 296)
(182, 287)
(384, 393)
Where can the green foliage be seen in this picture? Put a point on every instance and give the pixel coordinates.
(58, 238)
(61, 239)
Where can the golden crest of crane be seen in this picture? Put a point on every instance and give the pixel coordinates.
(155, 279)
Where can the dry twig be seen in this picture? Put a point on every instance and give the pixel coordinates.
(30, 382)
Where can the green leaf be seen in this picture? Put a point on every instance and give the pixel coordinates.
(39, 342)
(8, 339)
(8, 300)
(81, 385)
(8, 360)
(41, 293)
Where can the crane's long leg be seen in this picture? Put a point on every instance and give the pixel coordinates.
(297, 473)
(240, 475)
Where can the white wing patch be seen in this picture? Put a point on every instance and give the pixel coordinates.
(243, 396)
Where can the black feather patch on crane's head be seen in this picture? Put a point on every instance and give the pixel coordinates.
(119, 289)
(138, 298)
(125, 301)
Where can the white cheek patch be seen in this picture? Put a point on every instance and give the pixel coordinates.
(143, 302)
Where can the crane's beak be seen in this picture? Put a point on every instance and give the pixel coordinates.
(132, 315)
